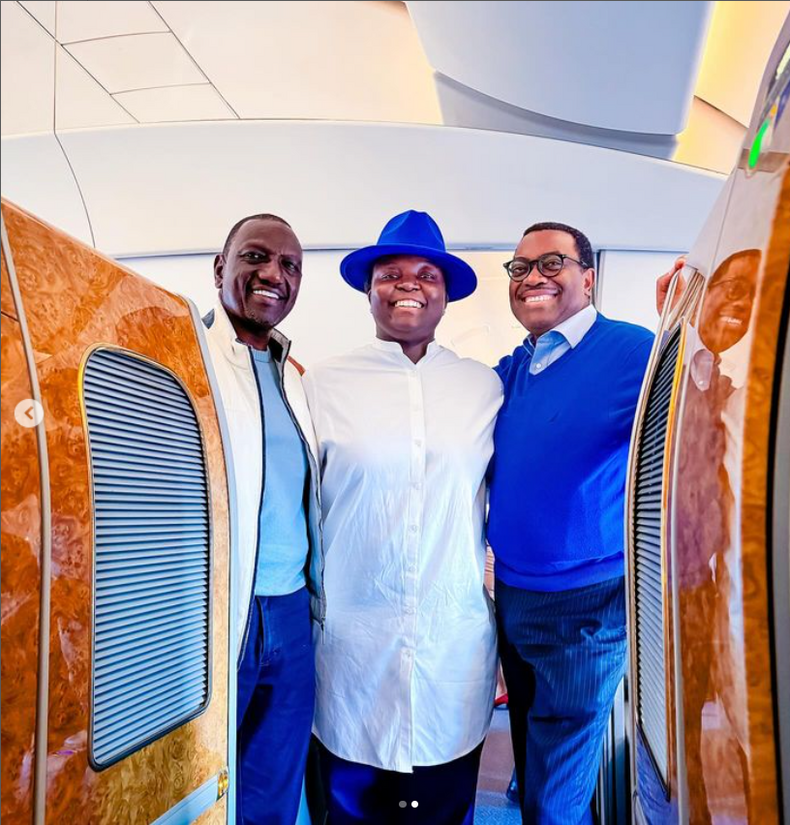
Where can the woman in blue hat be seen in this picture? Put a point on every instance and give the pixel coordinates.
(406, 665)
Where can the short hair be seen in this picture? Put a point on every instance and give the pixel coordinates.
(583, 246)
(237, 226)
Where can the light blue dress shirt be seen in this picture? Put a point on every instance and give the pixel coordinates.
(282, 536)
(552, 345)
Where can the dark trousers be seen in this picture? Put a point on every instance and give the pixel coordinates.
(276, 699)
(357, 794)
(563, 655)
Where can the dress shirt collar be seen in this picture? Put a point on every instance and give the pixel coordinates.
(703, 364)
(394, 348)
(572, 329)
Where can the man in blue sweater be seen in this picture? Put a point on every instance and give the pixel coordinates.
(556, 519)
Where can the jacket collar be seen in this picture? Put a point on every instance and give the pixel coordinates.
(221, 329)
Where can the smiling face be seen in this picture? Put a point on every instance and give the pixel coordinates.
(539, 302)
(258, 278)
(407, 298)
(727, 306)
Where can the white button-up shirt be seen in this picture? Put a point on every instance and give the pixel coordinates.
(406, 666)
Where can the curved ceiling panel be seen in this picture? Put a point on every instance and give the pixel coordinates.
(741, 38)
(28, 52)
(625, 66)
(179, 188)
(37, 177)
(341, 61)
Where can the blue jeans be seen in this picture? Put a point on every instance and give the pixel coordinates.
(276, 699)
(563, 656)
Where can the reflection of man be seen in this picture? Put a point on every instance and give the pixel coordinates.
(556, 519)
(279, 563)
(705, 503)
(727, 306)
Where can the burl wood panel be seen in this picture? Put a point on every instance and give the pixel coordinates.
(75, 298)
(6, 297)
(216, 814)
(720, 510)
(20, 571)
(755, 508)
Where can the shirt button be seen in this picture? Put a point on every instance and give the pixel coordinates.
(410, 610)
(538, 366)
(417, 485)
(413, 528)
(412, 568)
(417, 442)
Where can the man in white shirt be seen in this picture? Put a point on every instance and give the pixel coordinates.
(406, 667)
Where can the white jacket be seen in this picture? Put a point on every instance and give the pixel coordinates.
(240, 396)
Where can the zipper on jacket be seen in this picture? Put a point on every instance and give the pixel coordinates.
(315, 485)
(260, 509)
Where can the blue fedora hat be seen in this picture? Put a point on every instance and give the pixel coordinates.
(411, 233)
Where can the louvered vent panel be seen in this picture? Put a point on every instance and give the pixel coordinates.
(647, 564)
(152, 554)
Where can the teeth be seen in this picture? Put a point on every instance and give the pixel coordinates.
(534, 299)
(728, 319)
(415, 304)
(266, 292)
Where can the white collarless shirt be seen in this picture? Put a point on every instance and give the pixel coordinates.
(406, 667)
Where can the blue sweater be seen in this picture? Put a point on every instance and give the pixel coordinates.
(560, 452)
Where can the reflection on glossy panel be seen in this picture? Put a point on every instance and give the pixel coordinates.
(6, 298)
(721, 512)
(19, 581)
(715, 537)
(705, 518)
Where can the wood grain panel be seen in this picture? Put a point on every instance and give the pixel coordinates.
(75, 298)
(6, 298)
(216, 814)
(755, 508)
(20, 571)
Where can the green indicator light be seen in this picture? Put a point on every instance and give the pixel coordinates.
(754, 153)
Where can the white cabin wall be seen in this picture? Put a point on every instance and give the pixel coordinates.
(330, 318)
(627, 280)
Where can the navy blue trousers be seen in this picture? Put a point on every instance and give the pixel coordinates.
(563, 655)
(362, 795)
(276, 699)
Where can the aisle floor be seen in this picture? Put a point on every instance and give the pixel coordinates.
(496, 767)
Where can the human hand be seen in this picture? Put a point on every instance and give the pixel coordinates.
(662, 285)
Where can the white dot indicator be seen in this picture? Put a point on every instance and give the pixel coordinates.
(415, 804)
(402, 804)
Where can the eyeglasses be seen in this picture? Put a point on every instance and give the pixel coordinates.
(550, 265)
